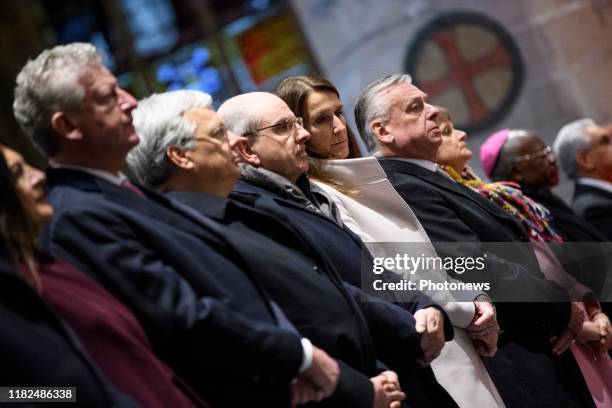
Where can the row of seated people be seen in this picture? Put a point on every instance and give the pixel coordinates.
(237, 270)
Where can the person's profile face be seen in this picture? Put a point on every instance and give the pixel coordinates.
(212, 156)
(281, 147)
(453, 150)
(30, 186)
(600, 151)
(535, 165)
(412, 122)
(105, 119)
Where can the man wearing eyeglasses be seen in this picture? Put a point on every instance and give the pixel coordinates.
(270, 142)
(585, 154)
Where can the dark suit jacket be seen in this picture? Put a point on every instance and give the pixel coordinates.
(38, 349)
(589, 261)
(594, 205)
(299, 282)
(341, 250)
(205, 315)
(524, 370)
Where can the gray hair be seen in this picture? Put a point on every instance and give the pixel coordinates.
(373, 104)
(48, 84)
(159, 122)
(507, 155)
(572, 139)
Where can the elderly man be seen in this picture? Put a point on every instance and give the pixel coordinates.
(219, 331)
(271, 147)
(185, 151)
(584, 150)
(395, 115)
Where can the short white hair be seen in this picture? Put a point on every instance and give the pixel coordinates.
(160, 124)
(373, 104)
(51, 83)
(572, 139)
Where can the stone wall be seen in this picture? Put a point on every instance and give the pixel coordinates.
(566, 46)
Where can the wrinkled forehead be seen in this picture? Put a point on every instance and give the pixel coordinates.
(403, 93)
(205, 119)
(95, 75)
(597, 131)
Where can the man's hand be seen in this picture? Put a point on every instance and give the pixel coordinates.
(387, 391)
(323, 373)
(605, 331)
(577, 318)
(430, 325)
(303, 392)
(484, 329)
(562, 343)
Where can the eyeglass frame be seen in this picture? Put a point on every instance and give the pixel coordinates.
(526, 157)
(293, 121)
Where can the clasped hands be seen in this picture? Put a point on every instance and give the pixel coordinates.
(484, 330)
(320, 381)
(595, 331)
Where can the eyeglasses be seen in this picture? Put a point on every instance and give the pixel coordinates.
(542, 153)
(283, 126)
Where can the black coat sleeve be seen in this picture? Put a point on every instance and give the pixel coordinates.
(197, 330)
(508, 279)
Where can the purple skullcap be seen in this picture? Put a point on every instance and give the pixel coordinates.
(489, 150)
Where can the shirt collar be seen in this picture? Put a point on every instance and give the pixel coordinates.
(426, 164)
(597, 183)
(105, 175)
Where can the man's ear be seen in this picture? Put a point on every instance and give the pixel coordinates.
(65, 126)
(246, 152)
(584, 161)
(179, 157)
(379, 129)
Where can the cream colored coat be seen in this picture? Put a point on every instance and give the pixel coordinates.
(378, 214)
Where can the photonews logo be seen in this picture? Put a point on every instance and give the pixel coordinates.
(412, 264)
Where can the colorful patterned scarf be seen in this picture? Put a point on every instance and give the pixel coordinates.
(509, 197)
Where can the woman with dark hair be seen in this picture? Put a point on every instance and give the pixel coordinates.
(108, 330)
(371, 208)
(593, 337)
(317, 102)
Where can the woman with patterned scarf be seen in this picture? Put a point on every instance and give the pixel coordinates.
(589, 346)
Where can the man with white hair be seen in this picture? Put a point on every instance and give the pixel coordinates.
(395, 115)
(584, 150)
(204, 313)
(185, 152)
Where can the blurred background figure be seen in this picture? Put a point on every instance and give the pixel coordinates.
(585, 152)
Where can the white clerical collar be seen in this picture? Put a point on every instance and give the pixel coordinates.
(105, 175)
(597, 183)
